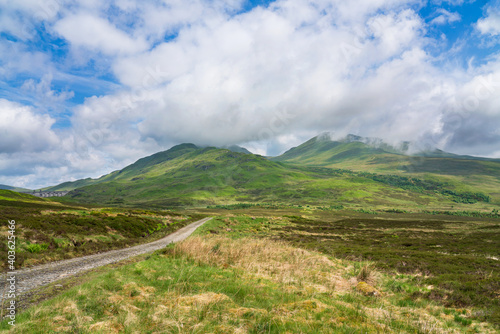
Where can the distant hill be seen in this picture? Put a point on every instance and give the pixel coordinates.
(10, 195)
(6, 187)
(322, 151)
(187, 174)
(238, 149)
(152, 160)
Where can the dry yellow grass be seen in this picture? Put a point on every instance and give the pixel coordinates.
(271, 260)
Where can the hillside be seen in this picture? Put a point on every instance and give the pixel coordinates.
(70, 185)
(136, 168)
(6, 187)
(187, 174)
(49, 231)
(360, 154)
(10, 195)
(320, 151)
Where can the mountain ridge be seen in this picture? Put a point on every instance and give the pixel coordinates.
(404, 148)
(354, 151)
(317, 171)
(351, 147)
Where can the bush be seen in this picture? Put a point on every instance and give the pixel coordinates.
(36, 248)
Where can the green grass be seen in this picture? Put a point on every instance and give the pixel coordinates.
(36, 248)
(469, 174)
(9, 195)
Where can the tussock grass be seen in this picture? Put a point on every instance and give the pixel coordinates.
(366, 272)
(271, 260)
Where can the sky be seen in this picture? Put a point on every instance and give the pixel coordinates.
(88, 87)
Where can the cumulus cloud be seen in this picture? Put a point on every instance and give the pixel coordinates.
(18, 18)
(43, 96)
(24, 130)
(16, 60)
(98, 34)
(288, 69)
(490, 25)
(263, 74)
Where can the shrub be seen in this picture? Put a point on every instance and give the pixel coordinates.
(36, 248)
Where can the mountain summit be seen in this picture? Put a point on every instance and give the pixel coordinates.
(364, 153)
(351, 150)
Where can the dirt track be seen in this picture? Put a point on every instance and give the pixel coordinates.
(28, 279)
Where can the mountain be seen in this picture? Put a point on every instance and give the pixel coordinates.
(237, 149)
(18, 189)
(373, 155)
(354, 172)
(187, 174)
(11, 196)
(322, 151)
(154, 159)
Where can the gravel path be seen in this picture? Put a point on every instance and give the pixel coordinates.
(28, 279)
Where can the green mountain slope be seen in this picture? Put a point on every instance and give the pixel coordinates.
(6, 187)
(70, 185)
(10, 195)
(187, 175)
(354, 153)
(138, 167)
(320, 151)
(238, 149)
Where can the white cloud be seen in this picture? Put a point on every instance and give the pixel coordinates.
(24, 130)
(43, 96)
(258, 77)
(98, 34)
(255, 76)
(19, 18)
(444, 17)
(451, 2)
(17, 60)
(490, 25)
(396, 32)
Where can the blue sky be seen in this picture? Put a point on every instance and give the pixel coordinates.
(88, 87)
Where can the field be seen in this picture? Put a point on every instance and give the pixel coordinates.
(258, 270)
